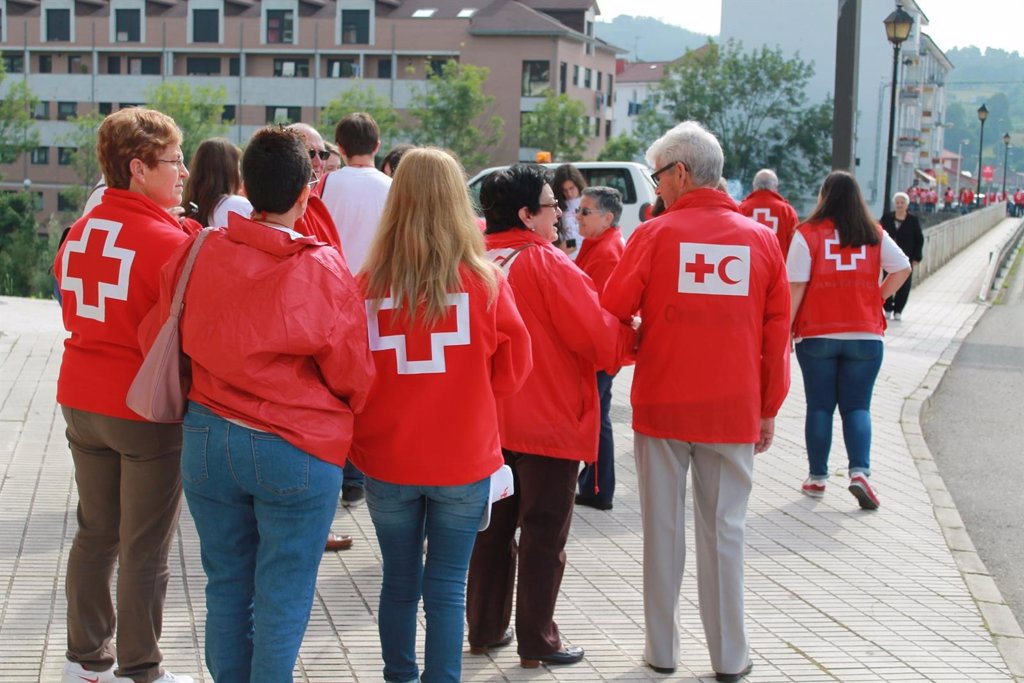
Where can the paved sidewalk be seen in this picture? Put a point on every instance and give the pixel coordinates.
(833, 593)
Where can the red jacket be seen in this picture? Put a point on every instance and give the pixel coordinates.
(432, 419)
(599, 255)
(276, 330)
(317, 222)
(843, 294)
(108, 269)
(714, 345)
(771, 209)
(556, 413)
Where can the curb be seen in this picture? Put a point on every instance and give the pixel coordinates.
(999, 619)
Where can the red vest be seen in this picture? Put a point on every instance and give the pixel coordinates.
(843, 294)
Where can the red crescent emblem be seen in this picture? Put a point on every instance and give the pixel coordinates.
(723, 265)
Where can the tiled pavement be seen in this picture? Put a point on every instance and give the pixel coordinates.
(833, 593)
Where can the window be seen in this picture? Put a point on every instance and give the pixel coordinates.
(234, 66)
(202, 66)
(425, 13)
(66, 110)
(65, 155)
(576, 74)
(41, 111)
(619, 178)
(563, 72)
(611, 89)
(144, 66)
(384, 68)
(58, 25)
(587, 73)
(113, 64)
(597, 126)
(290, 68)
(590, 35)
(76, 65)
(536, 78)
(355, 26)
(279, 26)
(205, 26)
(599, 81)
(228, 115)
(127, 25)
(65, 204)
(41, 155)
(45, 64)
(466, 13)
(437, 67)
(38, 197)
(284, 114)
(343, 68)
(14, 64)
(106, 107)
(608, 129)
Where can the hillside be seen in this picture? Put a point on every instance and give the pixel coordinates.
(647, 39)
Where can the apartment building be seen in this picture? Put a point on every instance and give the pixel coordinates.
(637, 82)
(284, 60)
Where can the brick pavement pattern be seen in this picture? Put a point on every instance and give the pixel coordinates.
(833, 593)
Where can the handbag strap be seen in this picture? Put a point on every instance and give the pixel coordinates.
(186, 271)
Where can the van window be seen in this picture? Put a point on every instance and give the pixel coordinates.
(619, 178)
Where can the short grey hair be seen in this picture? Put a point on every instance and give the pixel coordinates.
(765, 179)
(608, 200)
(904, 195)
(692, 144)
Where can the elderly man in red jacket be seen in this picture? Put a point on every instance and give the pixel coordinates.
(712, 370)
(769, 208)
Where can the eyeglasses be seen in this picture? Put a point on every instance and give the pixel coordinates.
(656, 176)
(180, 163)
(323, 154)
(586, 211)
(552, 205)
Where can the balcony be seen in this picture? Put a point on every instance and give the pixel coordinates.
(910, 92)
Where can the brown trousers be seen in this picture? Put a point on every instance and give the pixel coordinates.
(129, 495)
(545, 490)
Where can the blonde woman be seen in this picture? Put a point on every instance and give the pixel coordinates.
(447, 340)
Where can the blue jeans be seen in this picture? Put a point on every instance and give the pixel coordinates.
(839, 372)
(353, 477)
(605, 467)
(448, 518)
(262, 508)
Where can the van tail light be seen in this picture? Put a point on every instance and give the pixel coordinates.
(645, 212)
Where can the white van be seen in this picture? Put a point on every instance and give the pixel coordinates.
(631, 179)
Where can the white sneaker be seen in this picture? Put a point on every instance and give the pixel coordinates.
(897, 316)
(168, 677)
(76, 673)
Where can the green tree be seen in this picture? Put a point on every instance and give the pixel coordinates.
(558, 125)
(622, 147)
(450, 112)
(17, 130)
(365, 99)
(755, 103)
(197, 111)
(83, 160)
(25, 255)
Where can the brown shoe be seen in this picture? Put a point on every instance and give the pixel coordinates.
(483, 649)
(336, 542)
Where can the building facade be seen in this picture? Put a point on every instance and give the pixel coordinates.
(637, 82)
(284, 60)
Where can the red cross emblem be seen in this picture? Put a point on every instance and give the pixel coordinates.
(385, 330)
(95, 269)
(764, 217)
(715, 269)
(834, 252)
(700, 268)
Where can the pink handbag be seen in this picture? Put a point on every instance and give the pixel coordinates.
(160, 388)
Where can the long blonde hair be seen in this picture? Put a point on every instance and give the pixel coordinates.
(428, 229)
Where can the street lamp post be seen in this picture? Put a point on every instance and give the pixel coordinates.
(897, 30)
(982, 115)
(1006, 155)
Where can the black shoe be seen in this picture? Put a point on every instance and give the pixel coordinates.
(593, 502)
(482, 649)
(570, 654)
(352, 495)
(662, 669)
(733, 678)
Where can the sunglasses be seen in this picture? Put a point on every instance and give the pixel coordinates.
(586, 211)
(323, 154)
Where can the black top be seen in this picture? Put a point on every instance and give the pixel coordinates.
(908, 236)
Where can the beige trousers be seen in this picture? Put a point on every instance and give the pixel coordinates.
(722, 479)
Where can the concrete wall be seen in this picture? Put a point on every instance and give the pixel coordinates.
(946, 240)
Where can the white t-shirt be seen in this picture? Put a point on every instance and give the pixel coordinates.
(798, 268)
(230, 202)
(355, 198)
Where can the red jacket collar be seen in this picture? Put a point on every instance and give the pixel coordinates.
(514, 236)
(757, 194)
(137, 203)
(276, 242)
(704, 197)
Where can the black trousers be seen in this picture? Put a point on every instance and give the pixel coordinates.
(898, 301)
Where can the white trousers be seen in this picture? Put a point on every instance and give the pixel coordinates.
(722, 479)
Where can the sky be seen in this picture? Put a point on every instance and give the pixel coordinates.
(999, 24)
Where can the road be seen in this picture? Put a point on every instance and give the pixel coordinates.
(975, 429)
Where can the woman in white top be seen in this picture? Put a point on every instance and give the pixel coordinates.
(835, 267)
(214, 184)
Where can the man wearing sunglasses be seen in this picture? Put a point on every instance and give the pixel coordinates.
(712, 371)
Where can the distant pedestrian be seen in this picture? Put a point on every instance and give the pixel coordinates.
(215, 183)
(905, 228)
(568, 185)
(834, 265)
(769, 208)
(389, 164)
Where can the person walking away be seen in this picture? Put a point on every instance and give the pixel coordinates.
(712, 371)
(905, 228)
(769, 208)
(835, 265)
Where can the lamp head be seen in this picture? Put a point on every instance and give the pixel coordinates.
(1006, 139)
(982, 112)
(898, 25)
